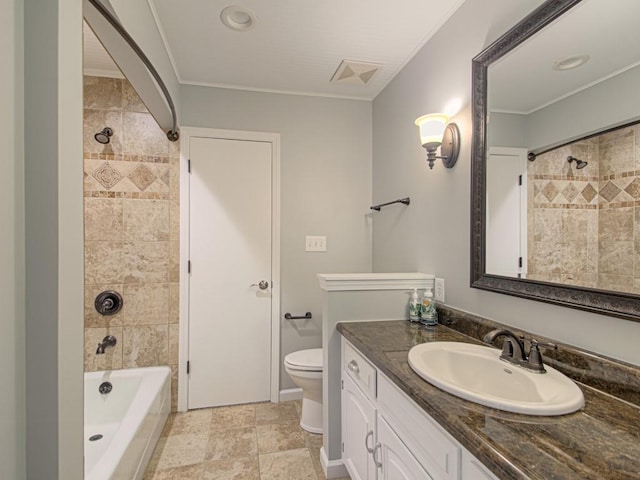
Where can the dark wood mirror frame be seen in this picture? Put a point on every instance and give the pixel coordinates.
(616, 304)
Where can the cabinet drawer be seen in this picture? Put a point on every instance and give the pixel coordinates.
(360, 370)
(429, 443)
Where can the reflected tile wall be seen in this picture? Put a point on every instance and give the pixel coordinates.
(584, 228)
(132, 224)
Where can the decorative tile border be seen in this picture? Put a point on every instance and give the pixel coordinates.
(126, 176)
(631, 203)
(578, 178)
(126, 157)
(567, 206)
(137, 195)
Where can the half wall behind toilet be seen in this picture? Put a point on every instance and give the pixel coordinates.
(131, 216)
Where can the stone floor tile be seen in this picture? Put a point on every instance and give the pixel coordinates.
(235, 416)
(278, 438)
(181, 450)
(298, 404)
(317, 465)
(276, 413)
(312, 440)
(190, 472)
(193, 421)
(244, 468)
(289, 465)
(237, 442)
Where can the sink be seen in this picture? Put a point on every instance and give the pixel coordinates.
(476, 373)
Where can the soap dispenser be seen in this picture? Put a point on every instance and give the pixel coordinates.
(428, 313)
(414, 307)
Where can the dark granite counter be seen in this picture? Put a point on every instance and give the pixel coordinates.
(601, 441)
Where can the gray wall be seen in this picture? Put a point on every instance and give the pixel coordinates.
(432, 235)
(606, 104)
(12, 345)
(602, 106)
(53, 238)
(325, 188)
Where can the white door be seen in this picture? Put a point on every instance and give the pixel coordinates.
(230, 221)
(506, 212)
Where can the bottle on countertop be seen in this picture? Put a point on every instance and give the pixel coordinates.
(414, 307)
(428, 313)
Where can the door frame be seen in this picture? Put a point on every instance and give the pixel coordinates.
(186, 133)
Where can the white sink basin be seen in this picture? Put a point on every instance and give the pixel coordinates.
(476, 373)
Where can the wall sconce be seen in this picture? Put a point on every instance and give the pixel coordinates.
(436, 132)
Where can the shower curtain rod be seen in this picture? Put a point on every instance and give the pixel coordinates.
(172, 134)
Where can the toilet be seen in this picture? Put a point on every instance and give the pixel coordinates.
(305, 369)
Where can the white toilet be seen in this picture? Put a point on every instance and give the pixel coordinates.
(305, 369)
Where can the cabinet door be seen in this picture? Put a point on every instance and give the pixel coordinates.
(394, 459)
(358, 427)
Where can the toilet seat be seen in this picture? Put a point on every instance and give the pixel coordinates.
(305, 360)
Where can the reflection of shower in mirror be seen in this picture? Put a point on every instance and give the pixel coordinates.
(579, 163)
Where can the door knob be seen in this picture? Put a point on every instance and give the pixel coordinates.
(263, 285)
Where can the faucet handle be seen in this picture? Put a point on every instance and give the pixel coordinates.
(535, 343)
(534, 362)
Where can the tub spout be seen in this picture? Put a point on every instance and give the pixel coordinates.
(108, 341)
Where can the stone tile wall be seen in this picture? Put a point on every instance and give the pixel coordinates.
(584, 227)
(131, 190)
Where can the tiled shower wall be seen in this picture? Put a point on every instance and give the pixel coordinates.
(584, 227)
(131, 216)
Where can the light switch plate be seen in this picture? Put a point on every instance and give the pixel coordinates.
(438, 295)
(316, 244)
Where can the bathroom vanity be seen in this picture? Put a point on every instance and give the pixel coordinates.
(395, 425)
(400, 440)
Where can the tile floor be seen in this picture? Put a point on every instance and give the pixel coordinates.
(260, 441)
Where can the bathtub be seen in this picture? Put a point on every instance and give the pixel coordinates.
(122, 427)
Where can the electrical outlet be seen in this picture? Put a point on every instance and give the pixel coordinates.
(439, 293)
(316, 244)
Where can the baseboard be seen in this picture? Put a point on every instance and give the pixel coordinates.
(332, 468)
(290, 394)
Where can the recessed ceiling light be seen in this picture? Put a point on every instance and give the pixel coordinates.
(238, 18)
(571, 62)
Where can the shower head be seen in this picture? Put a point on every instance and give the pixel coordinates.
(103, 136)
(579, 163)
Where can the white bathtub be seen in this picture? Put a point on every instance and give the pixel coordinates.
(130, 419)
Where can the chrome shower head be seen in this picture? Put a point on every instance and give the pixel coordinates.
(103, 136)
(579, 163)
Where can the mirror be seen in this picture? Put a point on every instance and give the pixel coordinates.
(560, 85)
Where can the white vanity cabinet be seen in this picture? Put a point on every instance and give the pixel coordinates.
(359, 416)
(386, 436)
(395, 461)
(358, 432)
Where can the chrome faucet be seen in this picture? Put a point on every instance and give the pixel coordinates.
(108, 341)
(513, 350)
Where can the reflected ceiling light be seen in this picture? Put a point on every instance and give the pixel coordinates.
(238, 18)
(570, 62)
(436, 132)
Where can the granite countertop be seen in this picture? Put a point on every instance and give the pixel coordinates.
(601, 441)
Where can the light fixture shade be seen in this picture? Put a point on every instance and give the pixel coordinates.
(431, 128)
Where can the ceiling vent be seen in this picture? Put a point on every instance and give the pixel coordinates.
(355, 73)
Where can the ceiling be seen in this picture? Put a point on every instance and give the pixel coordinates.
(295, 46)
(524, 81)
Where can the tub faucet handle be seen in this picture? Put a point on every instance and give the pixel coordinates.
(108, 341)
